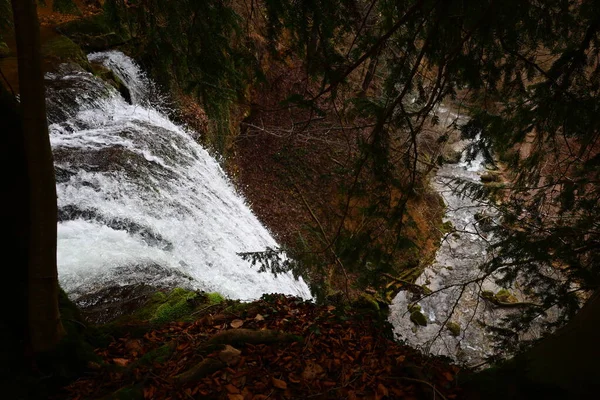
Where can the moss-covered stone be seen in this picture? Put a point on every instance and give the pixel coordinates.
(504, 296)
(4, 50)
(418, 318)
(61, 49)
(366, 301)
(178, 304)
(447, 227)
(454, 328)
(414, 307)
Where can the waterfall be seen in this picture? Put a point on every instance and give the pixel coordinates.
(139, 200)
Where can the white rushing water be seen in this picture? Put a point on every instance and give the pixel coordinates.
(139, 200)
(457, 262)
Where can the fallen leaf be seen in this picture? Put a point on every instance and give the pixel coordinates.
(279, 384)
(121, 361)
(235, 397)
(259, 317)
(236, 323)
(293, 378)
(232, 389)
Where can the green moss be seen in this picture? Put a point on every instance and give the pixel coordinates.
(504, 296)
(215, 298)
(367, 301)
(447, 227)
(418, 318)
(61, 49)
(414, 307)
(454, 328)
(178, 304)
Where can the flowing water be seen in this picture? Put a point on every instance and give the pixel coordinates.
(457, 262)
(139, 200)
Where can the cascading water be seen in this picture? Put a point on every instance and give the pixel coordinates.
(456, 264)
(139, 200)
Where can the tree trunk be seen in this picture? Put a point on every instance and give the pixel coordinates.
(45, 327)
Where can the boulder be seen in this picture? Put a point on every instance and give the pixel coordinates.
(454, 328)
(418, 318)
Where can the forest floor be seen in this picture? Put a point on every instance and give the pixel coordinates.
(274, 348)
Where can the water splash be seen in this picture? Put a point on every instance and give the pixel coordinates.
(139, 200)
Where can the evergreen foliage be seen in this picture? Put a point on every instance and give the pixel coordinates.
(533, 73)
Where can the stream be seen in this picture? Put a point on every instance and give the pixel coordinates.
(457, 261)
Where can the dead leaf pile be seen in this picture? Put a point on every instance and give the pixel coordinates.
(340, 354)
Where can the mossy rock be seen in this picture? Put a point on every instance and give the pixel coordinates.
(454, 328)
(447, 227)
(66, 7)
(165, 307)
(61, 49)
(418, 318)
(4, 50)
(94, 33)
(366, 301)
(504, 296)
(414, 307)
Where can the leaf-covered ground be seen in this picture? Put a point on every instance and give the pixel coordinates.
(328, 352)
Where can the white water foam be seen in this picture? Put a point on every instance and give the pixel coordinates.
(137, 193)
